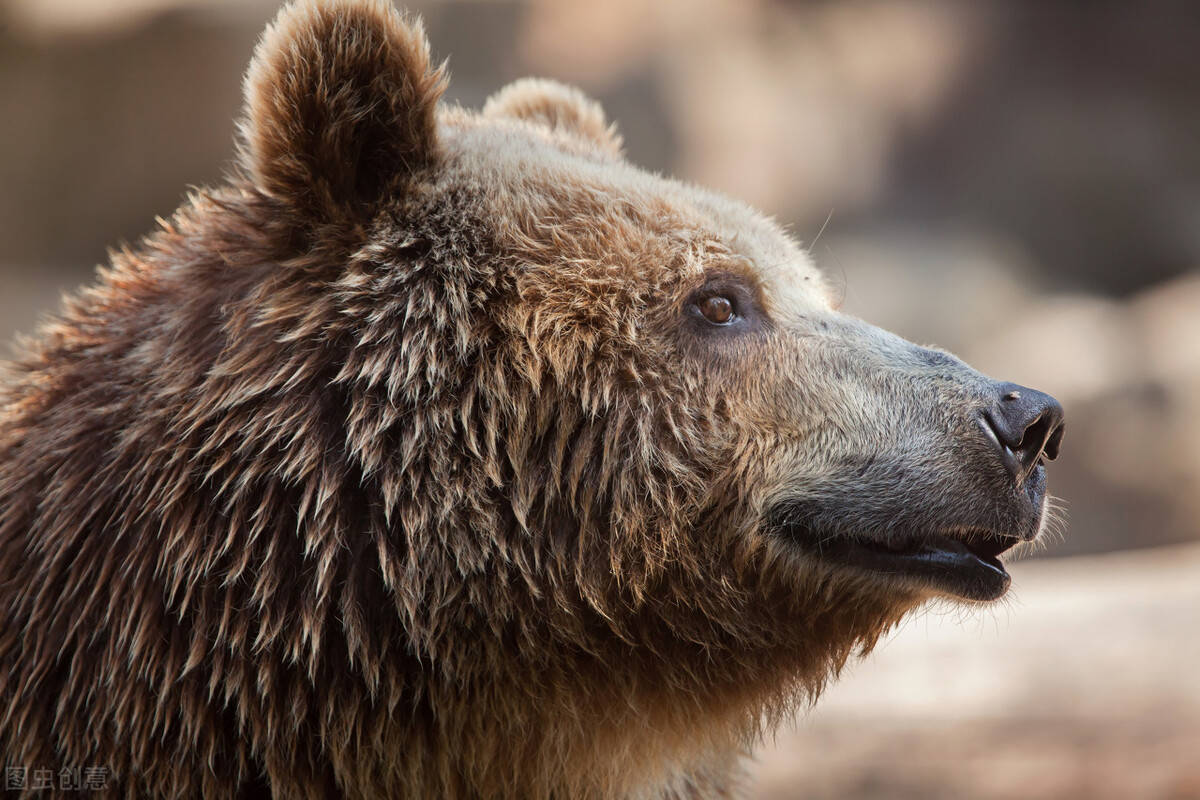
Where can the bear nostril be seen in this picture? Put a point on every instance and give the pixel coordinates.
(1026, 426)
(1050, 451)
(1033, 441)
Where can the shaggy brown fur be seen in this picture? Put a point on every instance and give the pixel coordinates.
(395, 467)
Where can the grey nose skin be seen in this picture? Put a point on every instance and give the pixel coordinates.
(1026, 425)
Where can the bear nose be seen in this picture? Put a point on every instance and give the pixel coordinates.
(1026, 425)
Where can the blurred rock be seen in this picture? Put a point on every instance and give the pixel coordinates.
(795, 108)
(45, 20)
(102, 133)
(1072, 128)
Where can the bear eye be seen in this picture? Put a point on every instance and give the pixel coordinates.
(717, 309)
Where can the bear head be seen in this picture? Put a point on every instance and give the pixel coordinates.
(447, 452)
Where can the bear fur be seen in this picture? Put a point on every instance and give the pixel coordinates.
(395, 466)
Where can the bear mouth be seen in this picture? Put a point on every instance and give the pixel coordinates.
(964, 565)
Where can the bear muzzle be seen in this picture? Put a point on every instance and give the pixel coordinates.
(981, 498)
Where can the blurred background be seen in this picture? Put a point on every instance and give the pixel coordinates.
(1016, 182)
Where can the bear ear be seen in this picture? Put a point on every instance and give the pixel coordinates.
(559, 107)
(340, 107)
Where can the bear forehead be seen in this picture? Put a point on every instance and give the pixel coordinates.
(537, 183)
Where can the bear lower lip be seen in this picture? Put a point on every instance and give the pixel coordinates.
(967, 567)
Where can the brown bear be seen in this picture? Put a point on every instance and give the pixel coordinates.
(446, 454)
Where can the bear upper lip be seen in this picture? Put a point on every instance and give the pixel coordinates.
(982, 544)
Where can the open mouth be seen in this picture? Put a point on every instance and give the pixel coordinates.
(966, 566)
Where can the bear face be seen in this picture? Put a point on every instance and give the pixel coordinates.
(596, 276)
(445, 453)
